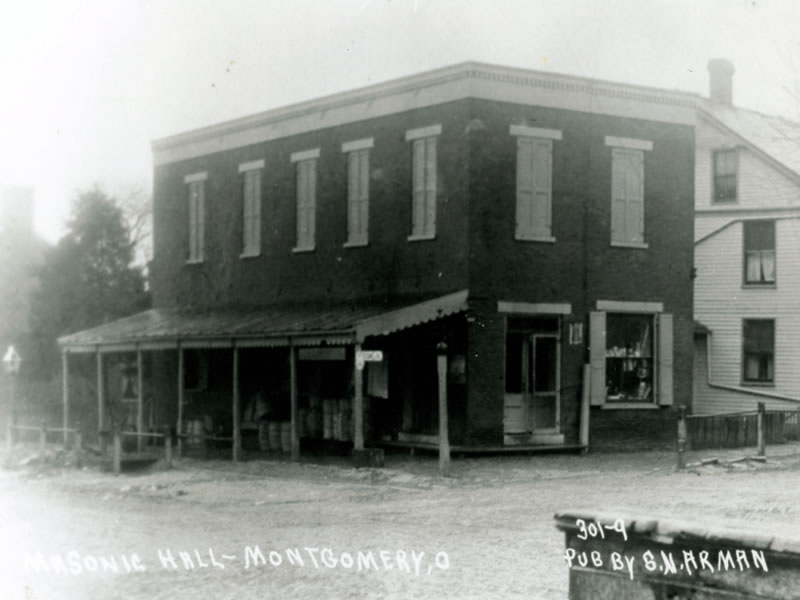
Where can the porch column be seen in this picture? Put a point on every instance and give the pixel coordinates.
(179, 424)
(65, 392)
(237, 433)
(444, 441)
(358, 400)
(101, 402)
(139, 399)
(293, 401)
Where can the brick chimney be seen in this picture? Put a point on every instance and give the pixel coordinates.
(720, 81)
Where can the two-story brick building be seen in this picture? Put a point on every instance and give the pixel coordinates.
(539, 224)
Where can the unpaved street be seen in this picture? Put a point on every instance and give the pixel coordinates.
(270, 529)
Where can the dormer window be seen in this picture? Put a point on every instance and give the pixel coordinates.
(725, 167)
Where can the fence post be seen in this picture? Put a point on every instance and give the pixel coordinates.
(43, 436)
(168, 446)
(117, 454)
(762, 451)
(682, 438)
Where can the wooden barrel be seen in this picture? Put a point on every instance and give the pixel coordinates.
(195, 433)
(286, 436)
(328, 412)
(274, 435)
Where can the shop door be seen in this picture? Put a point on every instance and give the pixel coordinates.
(544, 383)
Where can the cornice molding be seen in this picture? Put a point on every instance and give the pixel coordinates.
(457, 82)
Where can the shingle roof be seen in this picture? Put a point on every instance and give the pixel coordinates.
(775, 136)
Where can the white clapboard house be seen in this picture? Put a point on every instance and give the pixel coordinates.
(747, 255)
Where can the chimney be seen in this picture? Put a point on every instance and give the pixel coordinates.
(720, 81)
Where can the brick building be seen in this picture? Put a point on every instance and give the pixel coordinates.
(538, 224)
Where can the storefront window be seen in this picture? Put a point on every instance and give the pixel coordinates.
(629, 358)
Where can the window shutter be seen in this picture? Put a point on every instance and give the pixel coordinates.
(542, 186)
(201, 220)
(312, 202)
(352, 197)
(634, 193)
(597, 357)
(256, 210)
(430, 186)
(524, 187)
(363, 200)
(302, 214)
(192, 221)
(417, 208)
(665, 353)
(618, 199)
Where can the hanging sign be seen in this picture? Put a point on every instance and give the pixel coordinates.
(365, 356)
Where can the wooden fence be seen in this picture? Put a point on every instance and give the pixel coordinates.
(737, 430)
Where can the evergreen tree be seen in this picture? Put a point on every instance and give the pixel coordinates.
(87, 279)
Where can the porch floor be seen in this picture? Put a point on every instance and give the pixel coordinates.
(484, 450)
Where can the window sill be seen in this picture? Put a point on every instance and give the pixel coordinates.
(630, 405)
(542, 239)
(642, 245)
(760, 286)
(195, 261)
(760, 384)
(421, 238)
(304, 249)
(355, 244)
(250, 255)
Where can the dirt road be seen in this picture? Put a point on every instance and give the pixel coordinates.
(271, 529)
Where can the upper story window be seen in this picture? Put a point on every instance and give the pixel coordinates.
(423, 207)
(197, 216)
(758, 351)
(357, 191)
(627, 190)
(306, 165)
(759, 252)
(534, 205)
(251, 207)
(725, 167)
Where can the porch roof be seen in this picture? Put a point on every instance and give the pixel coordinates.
(299, 324)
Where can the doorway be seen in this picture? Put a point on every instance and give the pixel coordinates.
(532, 378)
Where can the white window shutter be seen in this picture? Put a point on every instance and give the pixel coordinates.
(201, 220)
(634, 193)
(418, 204)
(525, 188)
(430, 186)
(312, 202)
(542, 176)
(363, 212)
(665, 354)
(352, 197)
(597, 357)
(256, 211)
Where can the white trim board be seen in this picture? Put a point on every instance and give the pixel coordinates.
(535, 308)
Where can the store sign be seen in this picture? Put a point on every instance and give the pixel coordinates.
(365, 356)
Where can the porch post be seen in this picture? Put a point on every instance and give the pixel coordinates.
(237, 433)
(358, 400)
(65, 392)
(139, 399)
(179, 424)
(101, 402)
(444, 441)
(293, 401)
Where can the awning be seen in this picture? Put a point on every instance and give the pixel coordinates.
(300, 325)
(700, 329)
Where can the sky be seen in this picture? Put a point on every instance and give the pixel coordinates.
(87, 86)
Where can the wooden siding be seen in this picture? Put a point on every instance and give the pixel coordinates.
(759, 184)
(721, 302)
